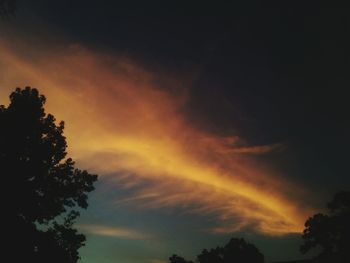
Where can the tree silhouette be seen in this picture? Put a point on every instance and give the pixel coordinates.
(213, 256)
(177, 259)
(45, 186)
(330, 232)
(237, 250)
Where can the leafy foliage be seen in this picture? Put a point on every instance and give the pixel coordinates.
(45, 186)
(236, 250)
(330, 232)
(177, 259)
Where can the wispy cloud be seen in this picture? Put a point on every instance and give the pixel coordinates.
(111, 231)
(260, 149)
(157, 261)
(120, 120)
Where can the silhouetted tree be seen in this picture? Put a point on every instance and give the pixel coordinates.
(211, 256)
(7, 7)
(177, 259)
(237, 250)
(330, 232)
(45, 188)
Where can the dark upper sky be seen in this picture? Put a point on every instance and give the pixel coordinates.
(275, 73)
(280, 71)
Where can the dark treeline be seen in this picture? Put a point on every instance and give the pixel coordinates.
(236, 250)
(329, 233)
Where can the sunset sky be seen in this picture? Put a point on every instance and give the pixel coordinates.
(202, 122)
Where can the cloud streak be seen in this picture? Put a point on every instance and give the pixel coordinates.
(122, 123)
(109, 231)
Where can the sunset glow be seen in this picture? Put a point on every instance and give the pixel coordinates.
(121, 123)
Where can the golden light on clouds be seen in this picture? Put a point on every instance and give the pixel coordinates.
(119, 119)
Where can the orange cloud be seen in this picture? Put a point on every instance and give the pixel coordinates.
(119, 118)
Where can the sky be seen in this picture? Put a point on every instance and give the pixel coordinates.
(203, 122)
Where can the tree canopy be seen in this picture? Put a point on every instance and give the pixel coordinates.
(237, 250)
(45, 187)
(177, 259)
(330, 232)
